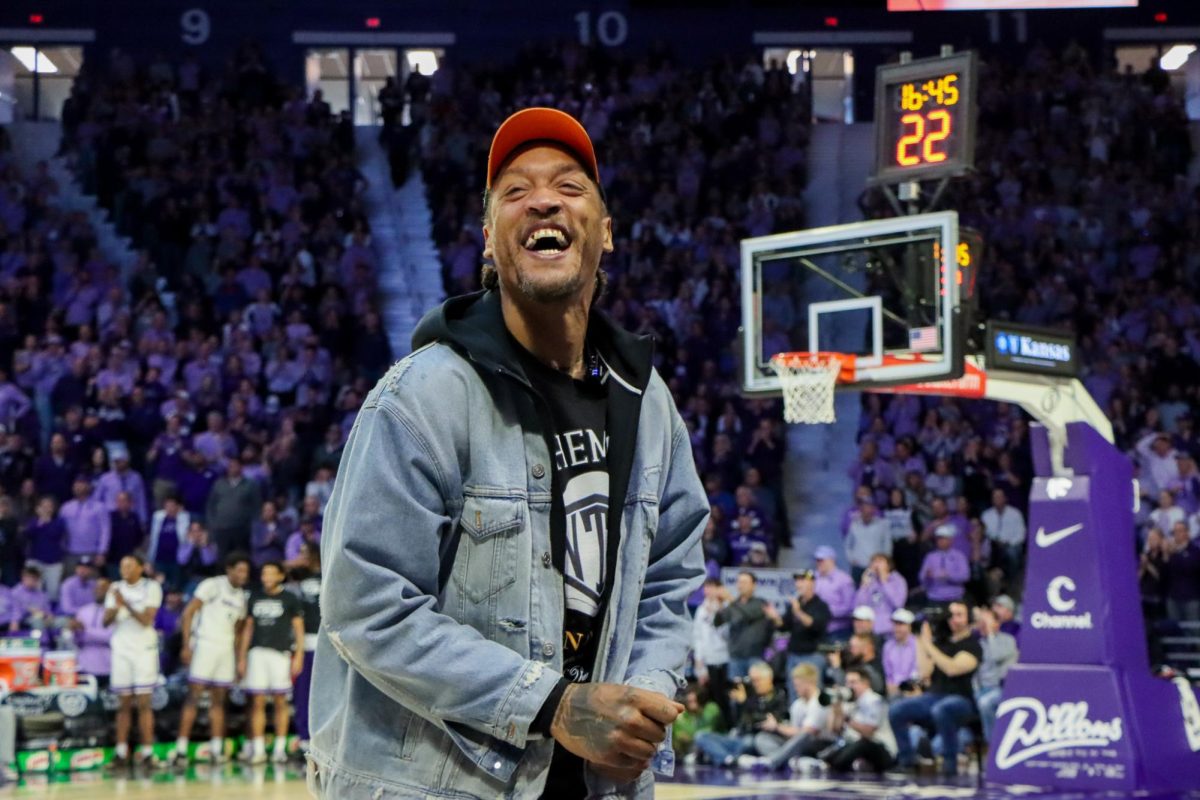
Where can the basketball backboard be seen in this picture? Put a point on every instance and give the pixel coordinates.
(886, 291)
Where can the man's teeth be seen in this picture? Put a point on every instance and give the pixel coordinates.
(547, 233)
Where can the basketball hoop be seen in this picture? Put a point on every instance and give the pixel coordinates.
(808, 380)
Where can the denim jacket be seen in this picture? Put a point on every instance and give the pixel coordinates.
(442, 605)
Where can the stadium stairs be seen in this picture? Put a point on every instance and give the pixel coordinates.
(410, 271)
(817, 488)
(38, 141)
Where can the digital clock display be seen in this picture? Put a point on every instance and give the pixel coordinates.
(925, 118)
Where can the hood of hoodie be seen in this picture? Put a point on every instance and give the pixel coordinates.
(474, 325)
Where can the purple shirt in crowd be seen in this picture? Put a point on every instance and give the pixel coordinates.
(47, 540)
(169, 465)
(166, 621)
(74, 594)
(13, 404)
(837, 590)
(94, 656)
(215, 447)
(267, 541)
(206, 554)
(89, 529)
(124, 381)
(900, 661)
(48, 369)
(294, 542)
(944, 573)
(26, 600)
(883, 599)
(113, 482)
(166, 550)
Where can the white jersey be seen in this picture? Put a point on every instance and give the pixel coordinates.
(223, 606)
(129, 635)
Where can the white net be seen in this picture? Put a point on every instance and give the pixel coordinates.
(808, 381)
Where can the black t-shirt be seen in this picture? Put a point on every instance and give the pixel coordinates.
(805, 638)
(579, 518)
(580, 505)
(273, 615)
(941, 683)
(307, 587)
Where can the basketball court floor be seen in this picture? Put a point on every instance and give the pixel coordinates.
(234, 782)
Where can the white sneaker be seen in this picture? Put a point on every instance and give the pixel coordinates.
(176, 759)
(689, 760)
(259, 757)
(279, 757)
(750, 762)
(807, 765)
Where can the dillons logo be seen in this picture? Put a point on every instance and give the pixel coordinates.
(1034, 730)
(1013, 345)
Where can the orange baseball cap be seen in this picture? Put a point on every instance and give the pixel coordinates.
(541, 124)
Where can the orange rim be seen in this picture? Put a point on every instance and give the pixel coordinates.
(799, 358)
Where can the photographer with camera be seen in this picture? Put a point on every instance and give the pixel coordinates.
(861, 716)
(861, 652)
(949, 663)
(805, 619)
(756, 732)
(808, 732)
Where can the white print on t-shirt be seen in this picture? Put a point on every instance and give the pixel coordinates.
(268, 608)
(579, 448)
(585, 506)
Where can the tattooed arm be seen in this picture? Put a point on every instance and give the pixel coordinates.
(617, 728)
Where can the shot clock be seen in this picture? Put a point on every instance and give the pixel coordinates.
(925, 118)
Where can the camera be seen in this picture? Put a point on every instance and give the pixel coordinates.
(835, 694)
(938, 619)
(825, 648)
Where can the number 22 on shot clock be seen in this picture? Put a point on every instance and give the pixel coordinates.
(925, 118)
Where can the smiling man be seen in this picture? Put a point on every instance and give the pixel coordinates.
(515, 526)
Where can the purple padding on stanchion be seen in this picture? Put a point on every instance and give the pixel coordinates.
(1082, 711)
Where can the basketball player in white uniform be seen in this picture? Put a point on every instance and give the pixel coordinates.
(130, 605)
(211, 623)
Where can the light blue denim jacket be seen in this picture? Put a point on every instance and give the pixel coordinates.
(441, 608)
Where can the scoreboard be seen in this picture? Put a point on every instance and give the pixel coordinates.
(925, 118)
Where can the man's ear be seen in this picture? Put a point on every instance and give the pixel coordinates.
(608, 236)
(487, 243)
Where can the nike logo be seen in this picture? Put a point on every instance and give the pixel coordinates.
(1044, 539)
